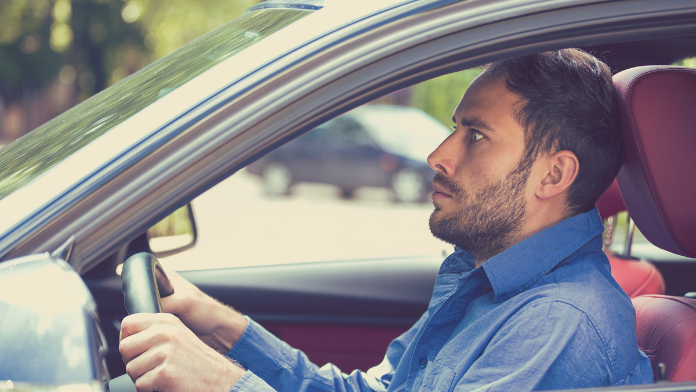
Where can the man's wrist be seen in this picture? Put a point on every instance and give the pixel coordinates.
(232, 373)
(230, 328)
(235, 374)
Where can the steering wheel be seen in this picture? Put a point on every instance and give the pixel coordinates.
(143, 283)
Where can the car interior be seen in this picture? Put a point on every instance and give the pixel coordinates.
(655, 105)
(347, 312)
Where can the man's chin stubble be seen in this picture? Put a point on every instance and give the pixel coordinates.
(481, 246)
(486, 223)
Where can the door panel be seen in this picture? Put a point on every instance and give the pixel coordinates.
(348, 347)
(343, 312)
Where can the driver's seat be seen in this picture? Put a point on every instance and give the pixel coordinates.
(658, 184)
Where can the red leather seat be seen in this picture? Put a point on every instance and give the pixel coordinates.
(665, 325)
(658, 185)
(635, 276)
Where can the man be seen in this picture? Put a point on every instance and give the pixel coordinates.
(527, 300)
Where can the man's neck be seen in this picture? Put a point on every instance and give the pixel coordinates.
(530, 227)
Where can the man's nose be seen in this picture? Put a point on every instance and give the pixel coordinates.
(441, 160)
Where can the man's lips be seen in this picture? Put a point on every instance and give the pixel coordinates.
(440, 192)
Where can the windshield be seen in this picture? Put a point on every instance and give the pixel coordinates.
(29, 157)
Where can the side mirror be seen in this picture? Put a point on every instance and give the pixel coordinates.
(51, 339)
(173, 234)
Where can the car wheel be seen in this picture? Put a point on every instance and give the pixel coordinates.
(407, 185)
(277, 179)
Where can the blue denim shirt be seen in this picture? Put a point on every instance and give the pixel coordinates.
(543, 314)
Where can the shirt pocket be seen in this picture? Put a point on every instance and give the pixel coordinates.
(437, 378)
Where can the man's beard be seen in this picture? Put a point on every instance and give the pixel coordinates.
(484, 224)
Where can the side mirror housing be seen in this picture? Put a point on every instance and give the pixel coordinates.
(50, 338)
(173, 234)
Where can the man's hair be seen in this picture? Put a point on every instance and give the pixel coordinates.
(568, 103)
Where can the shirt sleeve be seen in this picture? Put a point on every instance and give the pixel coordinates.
(552, 345)
(275, 366)
(251, 382)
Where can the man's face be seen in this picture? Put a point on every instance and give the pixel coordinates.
(480, 186)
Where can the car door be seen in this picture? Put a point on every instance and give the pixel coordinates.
(345, 313)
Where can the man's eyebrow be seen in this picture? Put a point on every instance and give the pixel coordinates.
(475, 122)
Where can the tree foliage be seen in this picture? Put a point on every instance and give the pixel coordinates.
(100, 41)
(440, 96)
(25, 62)
(92, 44)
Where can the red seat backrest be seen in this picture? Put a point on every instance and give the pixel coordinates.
(658, 185)
(636, 276)
(665, 327)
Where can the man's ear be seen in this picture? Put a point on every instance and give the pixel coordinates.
(561, 170)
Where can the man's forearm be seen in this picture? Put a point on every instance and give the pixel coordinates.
(230, 327)
(216, 324)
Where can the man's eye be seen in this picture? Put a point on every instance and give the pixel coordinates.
(476, 136)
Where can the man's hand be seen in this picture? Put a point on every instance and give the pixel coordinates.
(217, 325)
(161, 354)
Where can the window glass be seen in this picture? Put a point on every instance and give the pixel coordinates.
(316, 135)
(686, 62)
(344, 206)
(240, 224)
(346, 133)
(35, 153)
(641, 246)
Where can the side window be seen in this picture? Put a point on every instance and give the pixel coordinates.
(315, 136)
(617, 232)
(686, 62)
(347, 133)
(322, 214)
(326, 203)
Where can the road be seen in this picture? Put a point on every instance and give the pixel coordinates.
(239, 226)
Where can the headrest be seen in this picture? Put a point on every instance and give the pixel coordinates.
(610, 203)
(657, 105)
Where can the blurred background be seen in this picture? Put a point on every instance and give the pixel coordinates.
(56, 53)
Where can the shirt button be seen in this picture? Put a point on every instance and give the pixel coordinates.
(423, 363)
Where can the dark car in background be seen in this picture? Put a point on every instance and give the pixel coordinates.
(374, 145)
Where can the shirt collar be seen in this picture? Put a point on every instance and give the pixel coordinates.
(458, 262)
(519, 266)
